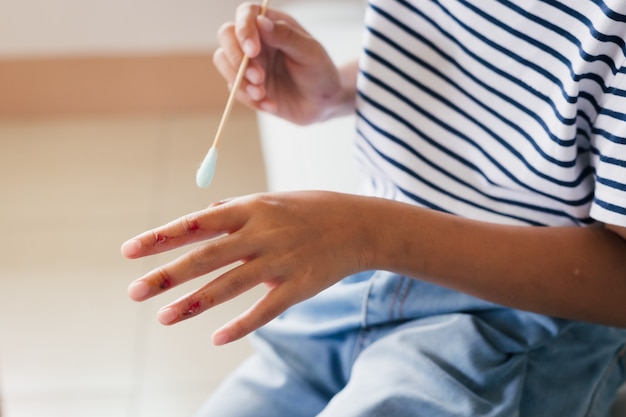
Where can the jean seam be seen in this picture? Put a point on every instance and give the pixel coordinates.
(359, 345)
(407, 291)
(394, 300)
(615, 361)
(366, 300)
(520, 394)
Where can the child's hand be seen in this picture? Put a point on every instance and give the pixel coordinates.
(297, 244)
(289, 73)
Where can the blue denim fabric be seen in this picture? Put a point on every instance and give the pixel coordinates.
(381, 345)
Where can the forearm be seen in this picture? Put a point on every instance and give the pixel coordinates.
(577, 273)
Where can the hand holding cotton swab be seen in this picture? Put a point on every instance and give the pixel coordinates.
(205, 173)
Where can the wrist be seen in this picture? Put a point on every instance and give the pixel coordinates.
(378, 233)
(342, 102)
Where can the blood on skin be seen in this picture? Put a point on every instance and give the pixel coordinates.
(194, 226)
(193, 309)
(165, 284)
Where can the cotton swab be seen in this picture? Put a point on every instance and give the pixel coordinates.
(205, 173)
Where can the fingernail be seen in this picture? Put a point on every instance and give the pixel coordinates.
(138, 290)
(254, 92)
(268, 107)
(265, 24)
(131, 248)
(248, 47)
(167, 315)
(253, 75)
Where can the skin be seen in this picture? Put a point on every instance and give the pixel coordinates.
(300, 243)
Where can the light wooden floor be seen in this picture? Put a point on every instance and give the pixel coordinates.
(71, 191)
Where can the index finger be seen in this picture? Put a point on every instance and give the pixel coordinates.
(191, 228)
(246, 29)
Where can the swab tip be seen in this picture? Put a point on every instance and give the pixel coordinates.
(205, 173)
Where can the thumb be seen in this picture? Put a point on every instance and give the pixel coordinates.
(290, 38)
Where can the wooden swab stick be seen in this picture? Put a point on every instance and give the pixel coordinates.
(204, 176)
(231, 98)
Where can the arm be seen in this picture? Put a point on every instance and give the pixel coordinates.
(298, 244)
(570, 272)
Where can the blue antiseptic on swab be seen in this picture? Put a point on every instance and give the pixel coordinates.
(205, 173)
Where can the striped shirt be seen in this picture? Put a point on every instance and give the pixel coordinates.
(504, 111)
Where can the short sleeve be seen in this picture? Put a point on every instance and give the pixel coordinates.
(608, 147)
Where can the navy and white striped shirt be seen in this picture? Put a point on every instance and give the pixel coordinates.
(503, 111)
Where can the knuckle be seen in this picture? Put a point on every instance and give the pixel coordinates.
(200, 256)
(158, 238)
(242, 33)
(218, 56)
(193, 308)
(164, 279)
(236, 284)
(245, 8)
(259, 202)
(225, 30)
(245, 18)
(268, 313)
(190, 223)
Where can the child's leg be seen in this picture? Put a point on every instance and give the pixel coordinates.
(291, 375)
(262, 389)
(436, 367)
(460, 366)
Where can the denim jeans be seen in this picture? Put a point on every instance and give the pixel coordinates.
(381, 345)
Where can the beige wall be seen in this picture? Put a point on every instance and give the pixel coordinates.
(79, 58)
(108, 85)
(77, 27)
(83, 57)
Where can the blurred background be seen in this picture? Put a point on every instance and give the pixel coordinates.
(106, 110)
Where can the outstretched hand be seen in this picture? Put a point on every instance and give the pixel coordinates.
(297, 244)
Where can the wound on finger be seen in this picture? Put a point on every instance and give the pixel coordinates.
(192, 309)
